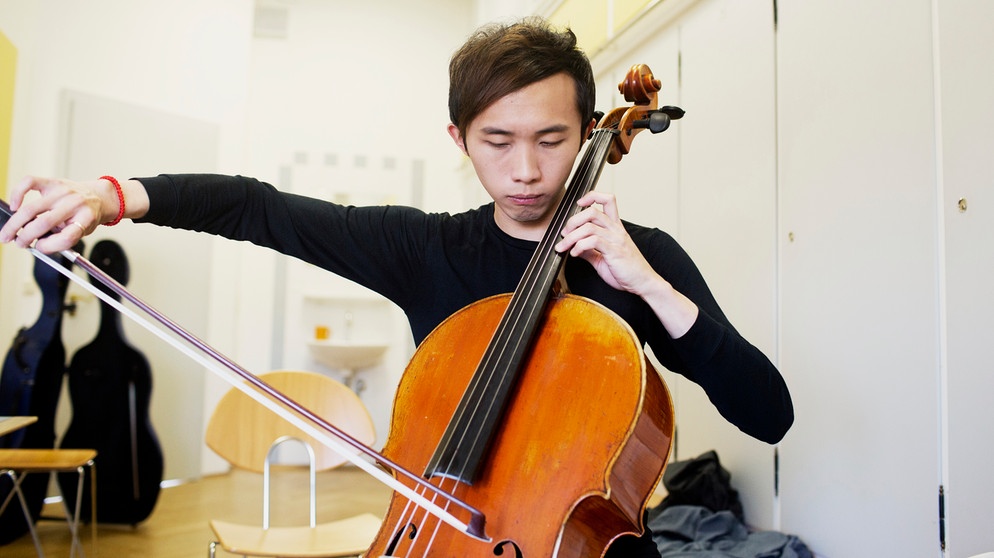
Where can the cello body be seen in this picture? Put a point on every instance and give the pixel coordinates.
(586, 397)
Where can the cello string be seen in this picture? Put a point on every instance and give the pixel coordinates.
(507, 336)
(507, 333)
(419, 529)
(547, 270)
(482, 383)
(437, 527)
(233, 377)
(408, 521)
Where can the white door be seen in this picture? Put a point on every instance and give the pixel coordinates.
(966, 59)
(859, 470)
(153, 141)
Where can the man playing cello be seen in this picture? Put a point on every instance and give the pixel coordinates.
(521, 104)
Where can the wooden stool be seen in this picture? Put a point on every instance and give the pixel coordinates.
(18, 463)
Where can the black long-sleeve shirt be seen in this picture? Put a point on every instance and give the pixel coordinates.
(433, 264)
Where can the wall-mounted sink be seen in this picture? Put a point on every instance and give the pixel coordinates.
(347, 355)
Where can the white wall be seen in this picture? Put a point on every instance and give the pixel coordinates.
(345, 82)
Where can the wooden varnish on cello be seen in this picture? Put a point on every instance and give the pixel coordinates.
(557, 428)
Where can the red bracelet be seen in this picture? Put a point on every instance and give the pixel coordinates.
(120, 200)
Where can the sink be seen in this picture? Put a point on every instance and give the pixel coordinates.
(347, 355)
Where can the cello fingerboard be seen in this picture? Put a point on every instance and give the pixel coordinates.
(469, 434)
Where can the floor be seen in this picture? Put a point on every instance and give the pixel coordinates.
(178, 527)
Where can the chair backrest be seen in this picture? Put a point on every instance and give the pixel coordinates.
(242, 431)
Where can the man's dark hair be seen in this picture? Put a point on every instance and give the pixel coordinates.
(502, 58)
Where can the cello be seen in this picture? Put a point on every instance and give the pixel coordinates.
(556, 478)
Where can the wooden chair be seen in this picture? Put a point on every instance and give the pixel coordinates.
(18, 463)
(245, 434)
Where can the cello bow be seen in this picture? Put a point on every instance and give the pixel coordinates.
(256, 388)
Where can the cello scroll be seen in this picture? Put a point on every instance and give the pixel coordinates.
(639, 87)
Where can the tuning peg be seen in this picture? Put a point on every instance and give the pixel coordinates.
(675, 113)
(657, 122)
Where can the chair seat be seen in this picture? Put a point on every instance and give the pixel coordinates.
(29, 460)
(18, 463)
(345, 537)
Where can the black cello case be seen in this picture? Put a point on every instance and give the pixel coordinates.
(30, 385)
(110, 386)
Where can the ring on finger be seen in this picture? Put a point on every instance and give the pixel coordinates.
(82, 230)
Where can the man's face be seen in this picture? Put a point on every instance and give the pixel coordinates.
(522, 148)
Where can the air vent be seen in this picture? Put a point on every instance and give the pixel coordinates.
(271, 21)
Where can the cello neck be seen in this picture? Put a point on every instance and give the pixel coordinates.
(468, 435)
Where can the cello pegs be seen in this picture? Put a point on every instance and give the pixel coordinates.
(657, 122)
(675, 113)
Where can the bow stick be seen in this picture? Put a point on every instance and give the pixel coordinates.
(230, 371)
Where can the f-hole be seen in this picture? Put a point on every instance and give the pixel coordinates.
(499, 549)
(412, 532)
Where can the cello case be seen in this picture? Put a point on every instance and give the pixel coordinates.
(110, 386)
(30, 385)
